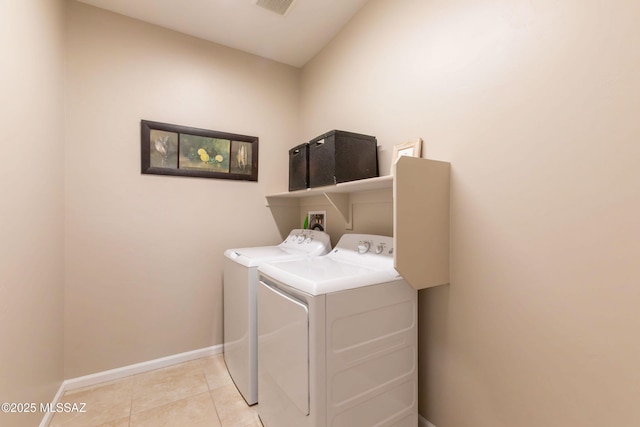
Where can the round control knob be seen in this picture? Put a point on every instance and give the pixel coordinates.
(379, 248)
(300, 238)
(363, 247)
(308, 240)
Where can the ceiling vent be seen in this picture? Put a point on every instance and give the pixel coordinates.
(281, 7)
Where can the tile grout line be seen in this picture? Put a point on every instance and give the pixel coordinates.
(211, 396)
(133, 385)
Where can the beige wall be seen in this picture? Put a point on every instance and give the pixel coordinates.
(535, 104)
(144, 252)
(31, 204)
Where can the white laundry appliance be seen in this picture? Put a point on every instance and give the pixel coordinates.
(337, 339)
(240, 299)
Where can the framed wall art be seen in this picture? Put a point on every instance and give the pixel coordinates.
(185, 151)
(411, 149)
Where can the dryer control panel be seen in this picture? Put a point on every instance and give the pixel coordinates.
(364, 248)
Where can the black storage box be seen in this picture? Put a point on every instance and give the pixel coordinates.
(340, 156)
(299, 167)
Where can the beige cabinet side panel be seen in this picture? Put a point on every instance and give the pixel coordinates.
(421, 221)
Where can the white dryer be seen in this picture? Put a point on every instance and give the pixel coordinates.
(240, 300)
(337, 339)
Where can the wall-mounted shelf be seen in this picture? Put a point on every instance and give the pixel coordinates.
(338, 196)
(344, 187)
(420, 190)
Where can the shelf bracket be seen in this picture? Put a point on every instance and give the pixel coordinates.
(342, 203)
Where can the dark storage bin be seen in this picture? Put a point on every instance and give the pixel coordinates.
(299, 167)
(340, 156)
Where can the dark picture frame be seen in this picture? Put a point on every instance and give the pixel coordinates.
(175, 150)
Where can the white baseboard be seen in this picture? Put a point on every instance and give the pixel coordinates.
(422, 422)
(137, 368)
(48, 415)
(125, 371)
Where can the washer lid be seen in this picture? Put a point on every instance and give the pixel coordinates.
(253, 257)
(357, 260)
(323, 275)
(298, 244)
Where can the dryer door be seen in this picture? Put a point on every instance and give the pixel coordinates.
(283, 347)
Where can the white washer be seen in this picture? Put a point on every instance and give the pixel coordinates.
(337, 339)
(240, 296)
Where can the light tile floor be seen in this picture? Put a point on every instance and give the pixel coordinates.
(191, 394)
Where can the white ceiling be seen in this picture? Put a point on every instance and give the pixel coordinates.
(292, 39)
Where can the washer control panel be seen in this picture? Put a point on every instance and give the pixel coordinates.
(307, 240)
